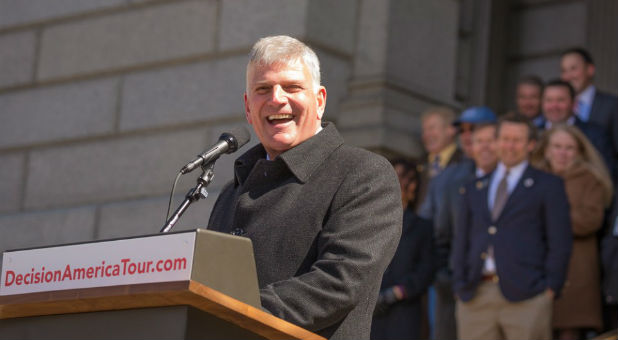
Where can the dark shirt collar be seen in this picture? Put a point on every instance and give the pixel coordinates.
(302, 160)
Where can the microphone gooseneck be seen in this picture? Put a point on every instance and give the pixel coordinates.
(228, 142)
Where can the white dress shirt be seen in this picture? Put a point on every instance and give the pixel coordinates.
(515, 173)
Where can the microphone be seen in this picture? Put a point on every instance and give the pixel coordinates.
(228, 142)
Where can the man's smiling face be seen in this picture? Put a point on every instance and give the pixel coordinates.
(282, 105)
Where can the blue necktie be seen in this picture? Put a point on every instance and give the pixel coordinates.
(583, 110)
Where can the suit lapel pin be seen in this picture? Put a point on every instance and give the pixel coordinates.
(480, 184)
(462, 190)
(528, 182)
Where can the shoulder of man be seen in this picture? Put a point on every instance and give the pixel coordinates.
(541, 177)
(457, 156)
(475, 185)
(602, 95)
(358, 157)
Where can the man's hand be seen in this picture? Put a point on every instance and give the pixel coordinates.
(550, 293)
(387, 298)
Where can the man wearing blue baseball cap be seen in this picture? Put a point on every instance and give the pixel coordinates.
(476, 127)
(465, 124)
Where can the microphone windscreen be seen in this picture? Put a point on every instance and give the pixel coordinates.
(241, 134)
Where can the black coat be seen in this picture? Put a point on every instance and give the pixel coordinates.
(604, 112)
(609, 259)
(425, 179)
(412, 267)
(442, 204)
(600, 139)
(325, 219)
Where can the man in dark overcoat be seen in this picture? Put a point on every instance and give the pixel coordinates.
(324, 217)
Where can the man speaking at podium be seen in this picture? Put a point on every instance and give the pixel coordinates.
(324, 217)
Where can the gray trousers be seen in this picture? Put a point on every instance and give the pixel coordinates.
(445, 326)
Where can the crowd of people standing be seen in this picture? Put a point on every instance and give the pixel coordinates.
(511, 224)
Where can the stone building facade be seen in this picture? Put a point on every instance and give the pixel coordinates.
(102, 101)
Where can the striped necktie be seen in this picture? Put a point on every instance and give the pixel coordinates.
(502, 194)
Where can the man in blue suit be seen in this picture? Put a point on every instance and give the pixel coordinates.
(591, 105)
(512, 244)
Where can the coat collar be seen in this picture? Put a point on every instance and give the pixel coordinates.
(302, 160)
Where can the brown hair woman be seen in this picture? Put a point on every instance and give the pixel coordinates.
(565, 151)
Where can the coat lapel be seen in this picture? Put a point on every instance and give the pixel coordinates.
(481, 185)
(596, 106)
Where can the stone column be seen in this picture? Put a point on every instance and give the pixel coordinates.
(602, 40)
(399, 70)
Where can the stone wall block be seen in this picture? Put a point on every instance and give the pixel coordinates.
(335, 27)
(57, 112)
(19, 12)
(182, 94)
(546, 68)
(17, 58)
(415, 59)
(357, 113)
(108, 170)
(335, 75)
(548, 28)
(129, 38)
(43, 228)
(11, 181)
(245, 21)
(147, 216)
(370, 56)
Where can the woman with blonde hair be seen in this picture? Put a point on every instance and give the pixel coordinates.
(566, 152)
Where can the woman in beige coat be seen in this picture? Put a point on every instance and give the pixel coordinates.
(566, 152)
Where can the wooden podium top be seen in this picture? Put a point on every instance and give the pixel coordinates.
(190, 293)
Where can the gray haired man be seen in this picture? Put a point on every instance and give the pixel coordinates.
(324, 217)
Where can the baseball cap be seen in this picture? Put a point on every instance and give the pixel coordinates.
(476, 115)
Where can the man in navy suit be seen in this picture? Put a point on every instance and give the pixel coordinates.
(512, 244)
(442, 201)
(558, 103)
(591, 105)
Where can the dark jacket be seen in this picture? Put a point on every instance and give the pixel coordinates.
(531, 238)
(609, 259)
(604, 112)
(412, 268)
(442, 204)
(325, 219)
(425, 179)
(600, 139)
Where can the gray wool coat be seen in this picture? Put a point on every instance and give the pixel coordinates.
(325, 220)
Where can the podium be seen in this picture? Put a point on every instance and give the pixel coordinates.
(183, 285)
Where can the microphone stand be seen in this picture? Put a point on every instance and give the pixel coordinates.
(193, 195)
